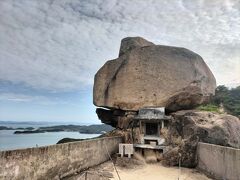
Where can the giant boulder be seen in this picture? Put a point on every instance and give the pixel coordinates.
(147, 75)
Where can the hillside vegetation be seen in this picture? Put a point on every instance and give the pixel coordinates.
(228, 98)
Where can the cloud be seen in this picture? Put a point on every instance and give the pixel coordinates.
(59, 45)
(15, 97)
(33, 99)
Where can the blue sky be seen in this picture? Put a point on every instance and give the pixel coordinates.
(50, 50)
(20, 103)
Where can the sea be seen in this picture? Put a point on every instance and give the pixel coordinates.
(11, 141)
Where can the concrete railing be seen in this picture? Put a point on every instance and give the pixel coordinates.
(219, 162)
(56, 161)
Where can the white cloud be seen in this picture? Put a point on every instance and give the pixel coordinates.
(59, 45)
(33, 99)
(15, 97)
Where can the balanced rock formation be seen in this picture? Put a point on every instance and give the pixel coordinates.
(149, 75)
(189, 127)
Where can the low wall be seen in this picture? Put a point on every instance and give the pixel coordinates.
(56, 161)
(219, 162)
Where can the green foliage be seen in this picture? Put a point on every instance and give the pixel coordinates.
(209, 107)
(221, 94)
(229, 98)
(224, 97)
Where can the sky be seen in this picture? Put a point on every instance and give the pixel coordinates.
(51, 49)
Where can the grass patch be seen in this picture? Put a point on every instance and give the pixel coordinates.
(209, 107)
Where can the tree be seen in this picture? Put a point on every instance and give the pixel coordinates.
(221, 95)
(230, 98)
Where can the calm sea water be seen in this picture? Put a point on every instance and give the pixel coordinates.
(9, 141)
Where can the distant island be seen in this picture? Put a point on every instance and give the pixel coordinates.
(91, 129)
(10, 128)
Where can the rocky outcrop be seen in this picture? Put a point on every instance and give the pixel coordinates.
(149, 75)
(187, 128)
(116, 117)
(146, 75)
(129, 43)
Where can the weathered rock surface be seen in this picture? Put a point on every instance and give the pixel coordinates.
(129, 43)
(189, 127)
(146, 75)
(116, 117)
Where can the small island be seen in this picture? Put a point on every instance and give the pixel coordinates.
(84, 129)
(20, 128)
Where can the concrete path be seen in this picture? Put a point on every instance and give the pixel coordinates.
(158, 172)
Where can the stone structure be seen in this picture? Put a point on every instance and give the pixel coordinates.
(149, 75)
(219, 162)
(126, 149)
(151, 121)
(150, 141)
(56, 161)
